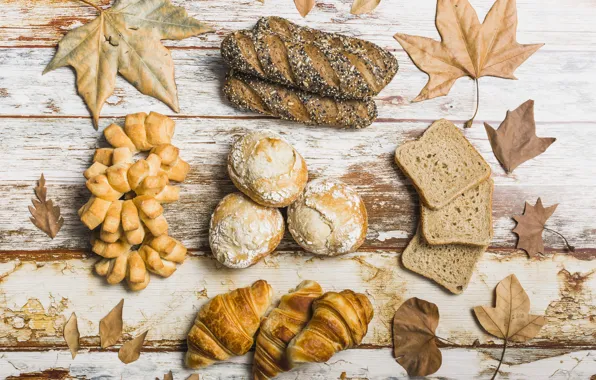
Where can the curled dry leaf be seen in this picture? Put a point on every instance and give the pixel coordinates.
(304, 6)
(45, 215)
(131, 350)
(360, 7)
(71, 335)
(110, 327)
(126, 39)
(467, 48)
(530, 226)
(510, 319)
(515, 142)
(414, 339)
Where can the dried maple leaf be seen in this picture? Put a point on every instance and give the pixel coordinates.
(304, 6)
(364, 6)
(168, 376)
(414, 339)
(131, 350)
(110, 327)
(71, 335)
(515, 142)
(467, 48)
(126, 39)
(510, 319)
(45, 215)
(530, 226)
(193, 377)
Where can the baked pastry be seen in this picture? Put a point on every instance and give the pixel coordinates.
(340, 321)
(258, 95)
(125, 205)
(225, 326)
(266, 168)
(329, 218)
(280, 327)
(242, 232)
(314, 61)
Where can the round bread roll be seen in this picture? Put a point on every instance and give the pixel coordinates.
(267, 168)
(329, 218)
(242, 232)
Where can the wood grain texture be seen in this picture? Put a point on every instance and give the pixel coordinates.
(356, 364)
(560, 288)
(363, 159)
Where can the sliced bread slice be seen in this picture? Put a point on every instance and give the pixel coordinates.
(442, 164)
(449, 265)
(465, 220)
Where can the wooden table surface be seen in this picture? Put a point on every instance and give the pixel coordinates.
(45, 127)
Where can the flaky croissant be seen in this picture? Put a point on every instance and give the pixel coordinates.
(339, 321)
(280, 327)
(226, 325)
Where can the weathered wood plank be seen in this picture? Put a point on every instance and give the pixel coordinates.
(560, 84)
(354, 364)
(37, 297)
(62, 149)
(44, 22)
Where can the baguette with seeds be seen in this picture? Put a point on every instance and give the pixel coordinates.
(314, 61)
(254, 94)
(449, 265)
(466, 220)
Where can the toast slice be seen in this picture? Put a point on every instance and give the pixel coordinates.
(442, 164)
(466, 220)
(449, 265)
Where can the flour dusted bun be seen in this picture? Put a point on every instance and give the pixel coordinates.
(329, 218)
(267, 168)
(242, 232)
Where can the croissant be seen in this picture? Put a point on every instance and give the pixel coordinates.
(280, 327)
(226, 325)
(339, 321)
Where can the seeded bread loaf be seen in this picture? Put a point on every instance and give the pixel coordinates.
(466, 220)
(442, 164)
(324, 63)
(254, 94)
(449, 265)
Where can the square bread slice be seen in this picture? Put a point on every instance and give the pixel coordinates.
(466, 220)
(442, 164)
(449, 265)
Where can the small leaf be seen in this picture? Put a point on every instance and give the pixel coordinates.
(193, 377)
(414, 339)
(515, 142)
(110, 327)
(530, 226)
(304, 6)
(168, 376)
(71, 335)
(45, 215)
(131, 350)
(363, 6)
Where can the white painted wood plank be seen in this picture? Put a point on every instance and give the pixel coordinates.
(62, 149)
(37, 297)
(357, 364)
(561, 84)
(562, 25)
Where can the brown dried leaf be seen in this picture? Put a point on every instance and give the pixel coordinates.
(168, 376)
(304, 6)
(71, 335)
(414, 339)
(515, 142)
(45, 215)
(467, 48)
(126, 39)
(530, 226)
(110, 327)
(193, 377)
(131, 350)
(364, 6)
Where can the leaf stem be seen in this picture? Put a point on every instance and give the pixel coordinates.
(92, 5)
(468, 124)
(500, 361)
(569, 246)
